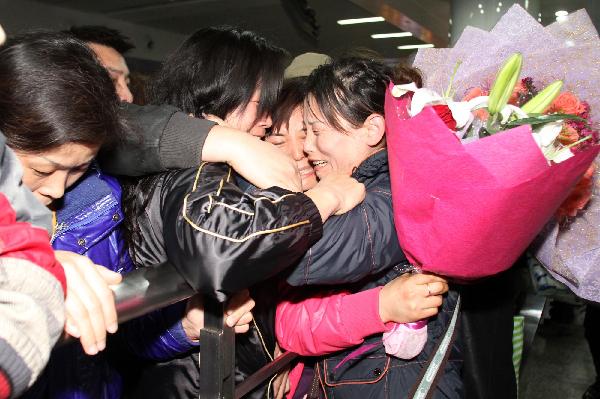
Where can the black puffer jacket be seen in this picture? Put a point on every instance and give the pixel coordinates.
(221, 239)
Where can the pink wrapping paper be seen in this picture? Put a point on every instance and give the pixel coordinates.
(469, 210)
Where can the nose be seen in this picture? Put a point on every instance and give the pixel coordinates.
(298, 150)
(124, 93)
(54, 186)
(265, 121)
(309, 143)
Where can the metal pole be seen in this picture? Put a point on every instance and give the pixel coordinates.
(217, 353)
(264, 373)
(147, 289)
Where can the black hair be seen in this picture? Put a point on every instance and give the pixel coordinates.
(54, 92)
(291, 96)
(102, 35)
(217, 69)
(352, 88)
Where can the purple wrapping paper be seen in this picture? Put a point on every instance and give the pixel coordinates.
(571, 251)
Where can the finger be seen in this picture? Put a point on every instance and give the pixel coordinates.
(435, 288)
(241, 329)
(438, 288)
(238, 313)
(423, 278)
(105, 296)
(426, 313)
(71, 329)
(281, 387)
(434, 301)
(86, 305)
(110, 277)
(77, 316)
(236, 301)
(276, 386)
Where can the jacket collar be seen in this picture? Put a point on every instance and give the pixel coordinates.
(373, 166)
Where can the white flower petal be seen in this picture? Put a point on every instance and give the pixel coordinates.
(422, 98)
(549, 132)
(478, 102)
(461, 112)
(562, 155)
(400, 90)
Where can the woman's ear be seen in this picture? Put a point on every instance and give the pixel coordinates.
(375, 129)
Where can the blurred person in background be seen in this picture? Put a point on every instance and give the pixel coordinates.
(109, 45)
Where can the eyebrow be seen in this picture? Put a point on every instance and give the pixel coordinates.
(66, 167)
(117, 71)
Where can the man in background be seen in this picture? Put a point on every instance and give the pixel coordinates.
(109, 45)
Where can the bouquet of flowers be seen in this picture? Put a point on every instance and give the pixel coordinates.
(468, 208)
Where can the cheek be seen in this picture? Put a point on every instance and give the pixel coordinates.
(31, 180)
(73, 177)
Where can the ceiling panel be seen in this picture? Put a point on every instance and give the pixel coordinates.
(267, 17)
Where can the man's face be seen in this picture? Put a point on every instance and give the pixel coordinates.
(116, 67)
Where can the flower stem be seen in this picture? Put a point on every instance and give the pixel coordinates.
(449, 89)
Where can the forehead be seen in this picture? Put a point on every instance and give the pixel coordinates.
(312, 112)
(109, 57)
(67, 155)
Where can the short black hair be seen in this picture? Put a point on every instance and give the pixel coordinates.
(217, 69)
(352, 88)
(291, 97)
(54, 92)
(102, 35)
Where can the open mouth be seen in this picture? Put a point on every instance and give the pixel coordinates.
(318, 164)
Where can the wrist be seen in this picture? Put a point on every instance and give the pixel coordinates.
(383, 315)
(325, 199)
(221, 144)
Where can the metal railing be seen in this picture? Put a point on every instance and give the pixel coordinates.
(148, 289)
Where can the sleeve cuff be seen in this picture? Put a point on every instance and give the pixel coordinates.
(360, 314)
(316, 231)
(182, 141)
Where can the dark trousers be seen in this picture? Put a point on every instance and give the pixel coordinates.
(591, 325)
(487, 314)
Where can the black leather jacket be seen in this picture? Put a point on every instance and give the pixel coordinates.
(220, 238)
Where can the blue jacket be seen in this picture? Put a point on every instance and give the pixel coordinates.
(88, 223)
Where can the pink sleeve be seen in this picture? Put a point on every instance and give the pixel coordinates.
(328, 322)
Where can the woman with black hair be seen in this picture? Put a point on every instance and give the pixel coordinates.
(222, 234)
(359, 256)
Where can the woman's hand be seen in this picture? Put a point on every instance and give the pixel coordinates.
(281, 383)
(336, 194)
(90, 303)
(259, 162)
(411, 297)
(237, 314)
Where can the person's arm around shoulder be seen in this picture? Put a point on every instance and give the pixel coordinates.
(163, 138)
(252, 236)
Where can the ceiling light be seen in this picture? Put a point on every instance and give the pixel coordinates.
(360, 20)
(386, 35)
(414, 46)
(561, 13)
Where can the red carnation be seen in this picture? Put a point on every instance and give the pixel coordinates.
(443, 111)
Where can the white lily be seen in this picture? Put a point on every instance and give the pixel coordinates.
(400, 90)
(545, 136)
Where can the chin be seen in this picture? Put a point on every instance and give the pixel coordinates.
(307, 184)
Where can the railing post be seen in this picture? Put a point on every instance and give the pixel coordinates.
(217, 354)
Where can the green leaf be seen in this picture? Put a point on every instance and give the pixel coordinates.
(540, 119)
